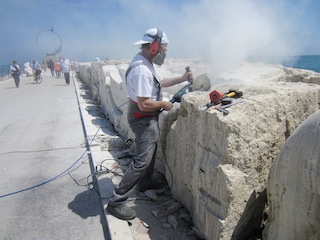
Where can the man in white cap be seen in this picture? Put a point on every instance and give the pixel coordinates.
(145, 104)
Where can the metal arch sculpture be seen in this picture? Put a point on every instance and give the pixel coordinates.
(55, 51)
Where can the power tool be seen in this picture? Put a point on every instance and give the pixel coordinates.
(216, 96)
(221, 101)
(188, 88)
(201, 83)
(177, 97)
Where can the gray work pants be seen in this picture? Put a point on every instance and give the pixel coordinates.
(141, 168)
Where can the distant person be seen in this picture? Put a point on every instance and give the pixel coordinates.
(15, 72)
(57, 69)
(51, 66)
(65, 69)
(36, 67)
(43, 65)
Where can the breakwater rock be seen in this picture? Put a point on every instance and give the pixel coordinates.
(218, 165)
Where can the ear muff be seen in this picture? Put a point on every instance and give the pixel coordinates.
(155, 45)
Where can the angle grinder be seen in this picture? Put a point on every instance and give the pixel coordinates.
(200, 83)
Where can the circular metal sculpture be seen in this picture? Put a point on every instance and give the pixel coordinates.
(49, 42)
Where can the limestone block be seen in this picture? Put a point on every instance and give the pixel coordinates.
(119, 100)
(301, 75)
(122, 72)
(294, 186)
(166, 119)
(85, 73)
(218, 165)
(94, 84)
(113, 95)
(118, 86)
(104, 73)
(104, 87)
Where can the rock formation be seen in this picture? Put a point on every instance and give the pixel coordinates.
(220, 174)
(294, 186)
(218, 165)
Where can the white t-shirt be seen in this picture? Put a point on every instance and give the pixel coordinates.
(65, 66)
(140, 80)
(13, 69)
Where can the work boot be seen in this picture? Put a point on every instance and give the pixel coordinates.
(122, 212)
(154, 184)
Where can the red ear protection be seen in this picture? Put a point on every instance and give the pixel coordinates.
(155, 45)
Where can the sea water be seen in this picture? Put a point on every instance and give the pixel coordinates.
(310, 62)
(4, 70)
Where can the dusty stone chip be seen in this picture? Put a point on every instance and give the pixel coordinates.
(166, 225)
(151, 194)
(183, 213)
(155, 213)
(173, 208)
(172, 221)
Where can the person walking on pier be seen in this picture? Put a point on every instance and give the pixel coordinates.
(51, 66)
(36, 67)
(57, 69)
(65, 69)
(15, 72)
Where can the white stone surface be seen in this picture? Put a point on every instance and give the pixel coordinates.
(294, 186)
(218, 165)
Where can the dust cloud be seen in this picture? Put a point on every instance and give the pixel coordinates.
(226, 32)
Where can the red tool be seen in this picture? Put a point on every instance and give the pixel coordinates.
(220, 101)
(216, 96)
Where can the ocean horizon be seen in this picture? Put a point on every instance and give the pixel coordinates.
(309, 62)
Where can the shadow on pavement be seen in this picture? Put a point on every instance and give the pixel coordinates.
(87, 204)
(83, 204)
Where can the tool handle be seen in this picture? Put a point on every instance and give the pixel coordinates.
(231, 94)
(224, 111)
(234, 93)
(190, 78)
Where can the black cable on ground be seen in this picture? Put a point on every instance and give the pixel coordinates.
(43, 150)
(45, 182)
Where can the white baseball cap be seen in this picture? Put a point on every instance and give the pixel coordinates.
(150, 35)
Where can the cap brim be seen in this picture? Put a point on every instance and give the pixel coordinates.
(141, 42)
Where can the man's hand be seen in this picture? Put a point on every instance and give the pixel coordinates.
(167, 106)
(188, 76)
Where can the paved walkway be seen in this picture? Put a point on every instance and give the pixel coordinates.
(44, 167)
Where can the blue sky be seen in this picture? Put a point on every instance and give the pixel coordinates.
(215, 29)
